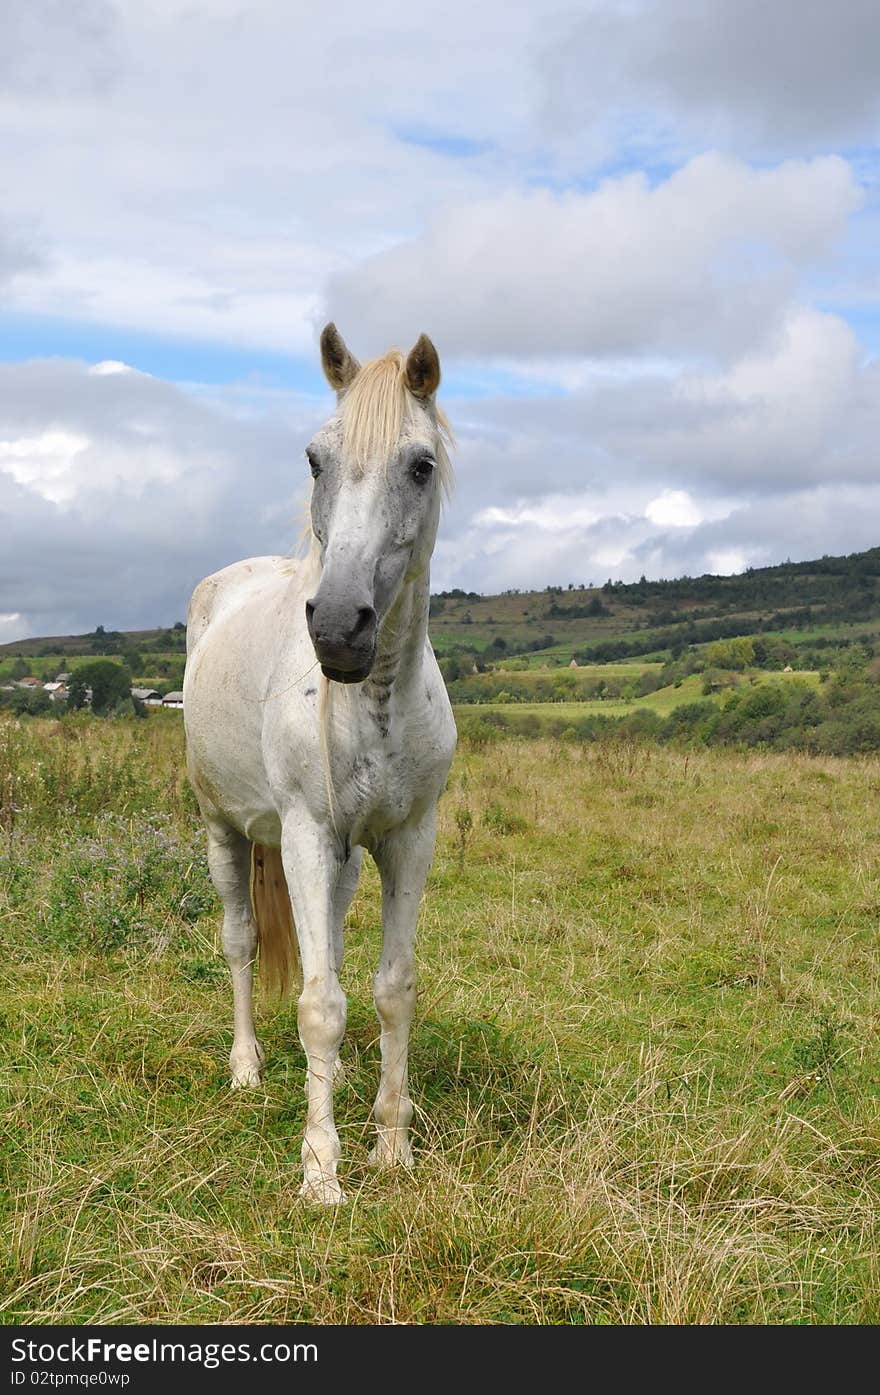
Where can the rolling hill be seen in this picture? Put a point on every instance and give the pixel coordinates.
(811, 607)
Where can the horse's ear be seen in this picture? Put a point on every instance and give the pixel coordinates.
(423, 368)
(340, 367)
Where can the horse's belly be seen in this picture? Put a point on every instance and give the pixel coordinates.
(229, 687)
(229, 779)
(264, 828)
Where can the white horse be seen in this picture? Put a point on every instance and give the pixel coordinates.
(281, 758)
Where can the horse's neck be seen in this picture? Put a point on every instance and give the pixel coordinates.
(401, 648)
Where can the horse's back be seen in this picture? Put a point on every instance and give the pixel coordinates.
(228, 589)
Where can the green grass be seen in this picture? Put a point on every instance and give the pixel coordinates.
(664, 700)
(646, 1062)
(585, 673)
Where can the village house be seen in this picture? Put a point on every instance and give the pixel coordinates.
(151, 697)
(174, 699)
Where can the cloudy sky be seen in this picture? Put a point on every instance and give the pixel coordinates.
(644, 237)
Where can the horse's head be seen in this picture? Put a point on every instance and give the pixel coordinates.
(379, 466)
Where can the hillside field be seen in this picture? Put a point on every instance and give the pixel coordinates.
(662, 700)
(646, 1060)
(813, 609)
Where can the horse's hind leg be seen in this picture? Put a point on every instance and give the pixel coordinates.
(343, 897)
(229, 862)
(403, 861)
(346, 887)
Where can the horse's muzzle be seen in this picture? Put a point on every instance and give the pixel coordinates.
(344, 638)
(342, 675)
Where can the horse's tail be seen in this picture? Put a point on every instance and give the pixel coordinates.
(276, 932)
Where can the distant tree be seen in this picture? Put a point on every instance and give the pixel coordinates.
(106, 641)
(35, 703)
(20, 669)
(731, 653)
(451, 669)
(564, 684)
(76, 693)
(108, 681)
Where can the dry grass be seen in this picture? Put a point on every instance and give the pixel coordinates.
(645, 1064)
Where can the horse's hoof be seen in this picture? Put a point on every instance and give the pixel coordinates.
(245, 1078)
(246, 1067)
(385, 1156)
(322, 1191)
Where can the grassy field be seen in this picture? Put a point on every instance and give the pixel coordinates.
(646, 1062)
(585, 673)
(663, 700)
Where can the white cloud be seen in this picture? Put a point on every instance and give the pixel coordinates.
(137, 491)
(664, 475)
(645, 380)
(674, 508)
(752, 75)
(552, 511)
(109, 365)
(705, 262)
(787, 411)
(58, 49)
(727, 561)
(225, 219)
(200, 171)
(139, 488)
(44, 463)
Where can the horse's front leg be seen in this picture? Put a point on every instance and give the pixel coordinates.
(403, 860)
(312, 864)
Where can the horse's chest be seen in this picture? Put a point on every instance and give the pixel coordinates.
(387, 775)
(379, 789)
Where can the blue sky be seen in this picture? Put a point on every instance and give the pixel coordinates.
(643, 237)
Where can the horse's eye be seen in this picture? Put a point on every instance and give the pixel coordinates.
(422, 469)
(314, 463)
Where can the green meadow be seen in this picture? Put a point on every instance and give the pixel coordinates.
(662, 700)
(645, 1064)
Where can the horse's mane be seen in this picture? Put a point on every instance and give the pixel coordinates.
(376, 409)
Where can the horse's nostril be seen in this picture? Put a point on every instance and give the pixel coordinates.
(366, 619)
(339, 627)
